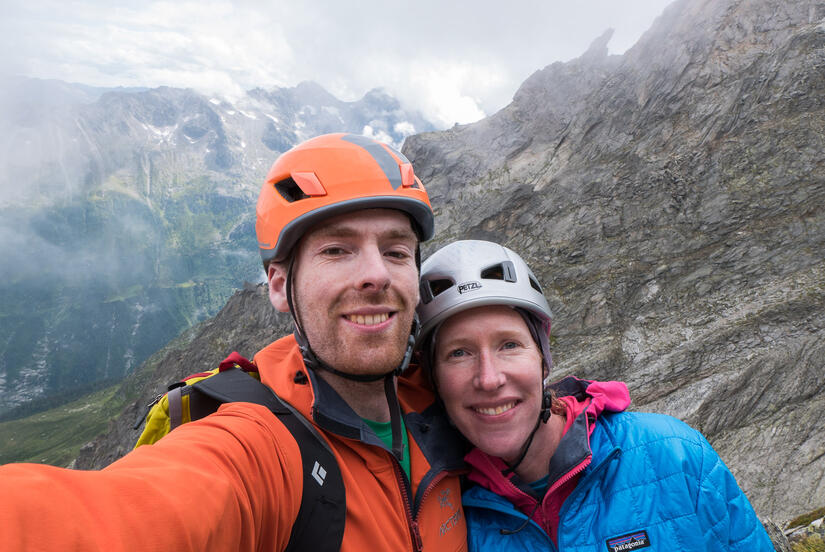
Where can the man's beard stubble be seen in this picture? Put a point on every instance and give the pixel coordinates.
(341, 354)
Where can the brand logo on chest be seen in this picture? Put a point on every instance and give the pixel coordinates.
(630, 541)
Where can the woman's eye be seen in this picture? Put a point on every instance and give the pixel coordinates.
(510, 345)
(458, 353)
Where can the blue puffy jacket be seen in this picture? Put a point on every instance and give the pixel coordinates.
(653, 483)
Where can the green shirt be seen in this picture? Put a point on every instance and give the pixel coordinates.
(384, 432)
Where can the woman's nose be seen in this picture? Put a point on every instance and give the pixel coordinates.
(489, 376)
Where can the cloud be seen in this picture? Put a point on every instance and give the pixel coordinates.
(404, 128)
(378, 134)
(455, 61)
(211, 46)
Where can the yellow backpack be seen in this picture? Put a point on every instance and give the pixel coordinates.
(176, 406)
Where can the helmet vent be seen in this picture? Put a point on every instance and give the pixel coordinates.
(290, 190)
(535, 285)
(431, 288)
(502, 271)
(437, 287)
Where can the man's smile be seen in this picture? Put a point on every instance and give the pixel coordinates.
(368, 319)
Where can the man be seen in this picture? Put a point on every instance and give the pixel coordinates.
(339, 219)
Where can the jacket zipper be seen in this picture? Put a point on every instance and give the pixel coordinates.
(436, 480)
(415, 534)
(571, 474)
(561, 481)
(585, 483)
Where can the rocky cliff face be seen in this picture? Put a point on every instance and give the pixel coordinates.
(672, 200)
(128, 215)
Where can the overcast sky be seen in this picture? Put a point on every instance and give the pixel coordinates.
(456, 61)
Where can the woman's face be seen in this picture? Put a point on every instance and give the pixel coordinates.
(489, 375)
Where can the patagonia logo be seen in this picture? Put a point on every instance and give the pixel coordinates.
(468, 286)
(631, 541)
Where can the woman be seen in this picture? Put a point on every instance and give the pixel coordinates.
(562, 465)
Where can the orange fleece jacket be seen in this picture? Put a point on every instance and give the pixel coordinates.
(231, 481)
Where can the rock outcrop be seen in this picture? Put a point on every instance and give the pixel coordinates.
(673, 201)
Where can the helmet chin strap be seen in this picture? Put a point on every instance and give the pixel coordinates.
(544, 415)
(540, 338)
(311, 361)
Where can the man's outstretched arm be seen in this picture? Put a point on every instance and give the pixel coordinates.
(228, 482)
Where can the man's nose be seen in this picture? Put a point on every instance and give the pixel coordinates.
(373, 273)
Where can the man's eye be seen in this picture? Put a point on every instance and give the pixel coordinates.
(333, 251)
(398, 254)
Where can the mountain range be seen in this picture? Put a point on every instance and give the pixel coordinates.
(127, 216)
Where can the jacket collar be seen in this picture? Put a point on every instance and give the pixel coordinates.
(282, 369)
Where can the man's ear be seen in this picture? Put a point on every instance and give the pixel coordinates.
(276, 276)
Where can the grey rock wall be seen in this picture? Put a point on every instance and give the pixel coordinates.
(672, 201)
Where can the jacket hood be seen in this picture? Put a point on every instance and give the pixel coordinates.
(591, 397)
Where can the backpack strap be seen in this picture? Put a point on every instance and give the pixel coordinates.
(320, 523)
(175, 407)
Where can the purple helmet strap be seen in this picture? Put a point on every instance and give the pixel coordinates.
(539, 334)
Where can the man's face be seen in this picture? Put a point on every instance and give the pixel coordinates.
(355, 288)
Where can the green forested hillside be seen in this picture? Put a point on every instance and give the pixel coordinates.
(55, 436)
(115, 278)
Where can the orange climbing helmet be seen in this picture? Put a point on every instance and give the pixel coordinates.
(330, 175)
